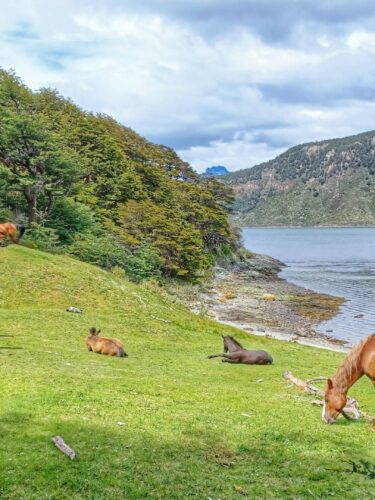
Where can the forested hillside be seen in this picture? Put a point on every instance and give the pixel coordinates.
(323, 183)
(86, 185)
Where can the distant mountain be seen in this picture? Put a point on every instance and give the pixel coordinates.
(321, 183)
(216, 170)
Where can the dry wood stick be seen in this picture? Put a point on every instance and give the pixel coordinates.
(62, 446)
(301, 384)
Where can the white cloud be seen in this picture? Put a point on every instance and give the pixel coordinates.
(235, 155)
(361, 41)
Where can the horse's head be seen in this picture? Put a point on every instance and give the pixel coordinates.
(334, 402)
(94, 332)
(225, 339)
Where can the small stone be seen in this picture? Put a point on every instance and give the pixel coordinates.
(73, 309)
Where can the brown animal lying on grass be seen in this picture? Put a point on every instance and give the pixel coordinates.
(104, 345)
(235, 353)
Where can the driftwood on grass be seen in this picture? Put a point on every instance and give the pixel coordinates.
(351, 409)
(301, 384)
(62, 446)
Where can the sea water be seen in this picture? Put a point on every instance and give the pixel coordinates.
(337, 261)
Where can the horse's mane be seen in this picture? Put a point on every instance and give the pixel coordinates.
(235, 341)
(350, 363)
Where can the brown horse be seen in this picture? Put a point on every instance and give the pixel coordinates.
(360, 361)
(10, 230)
(104, 345)
(237, 354)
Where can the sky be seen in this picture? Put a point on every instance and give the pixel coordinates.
(224, 82)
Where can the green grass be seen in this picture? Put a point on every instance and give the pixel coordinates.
(194, 428)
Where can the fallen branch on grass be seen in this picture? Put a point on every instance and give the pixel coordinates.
(62, 446)
(301, 384)
(351, 410)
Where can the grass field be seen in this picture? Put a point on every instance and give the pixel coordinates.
(194, 428)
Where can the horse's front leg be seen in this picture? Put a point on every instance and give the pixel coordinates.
(221, 355)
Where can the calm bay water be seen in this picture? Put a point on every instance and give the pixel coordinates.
(337, 261)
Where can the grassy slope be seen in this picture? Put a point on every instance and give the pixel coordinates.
(185, 434)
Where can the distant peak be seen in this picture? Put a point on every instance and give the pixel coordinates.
(216, 170)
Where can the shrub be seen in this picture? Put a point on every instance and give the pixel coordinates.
(5, 214)
(43, 238)
(107, 252)
(69, 217)
(103, 251)
(143, 264)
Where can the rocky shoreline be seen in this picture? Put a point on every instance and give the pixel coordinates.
(249, 294)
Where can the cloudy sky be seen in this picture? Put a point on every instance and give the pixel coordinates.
(229, 82)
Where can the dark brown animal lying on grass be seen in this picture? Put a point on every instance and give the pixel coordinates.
(235, 353)
(104, 345)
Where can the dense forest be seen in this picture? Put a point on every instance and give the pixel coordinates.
(85, 185)
(323, 183)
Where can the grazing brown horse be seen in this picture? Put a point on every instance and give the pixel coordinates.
(10, 230)
(235, 353)
(104, 345)
(360, 361)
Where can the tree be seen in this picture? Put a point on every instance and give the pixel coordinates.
(39, 165)
(179, 245)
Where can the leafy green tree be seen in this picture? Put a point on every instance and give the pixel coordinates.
(179, 245)
(38, 166)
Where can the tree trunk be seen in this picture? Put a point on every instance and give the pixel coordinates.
(31, 201)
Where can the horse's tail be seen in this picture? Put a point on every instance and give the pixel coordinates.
(21, 230)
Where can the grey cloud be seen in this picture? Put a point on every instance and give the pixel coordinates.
(182, 138)
(272, 140)
(185, 138)
(273, 20)
(305, 93)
